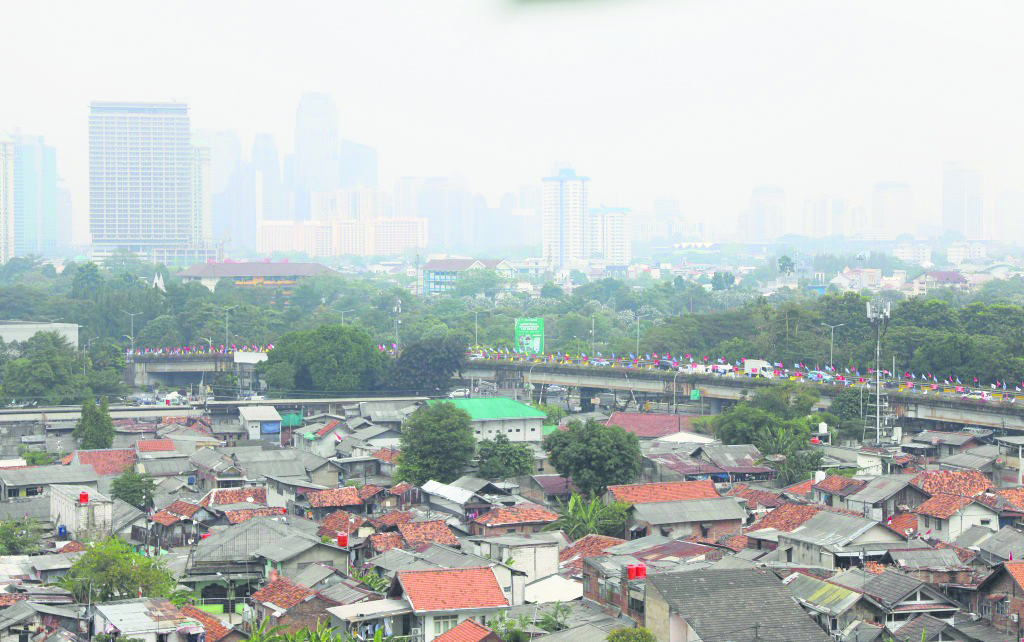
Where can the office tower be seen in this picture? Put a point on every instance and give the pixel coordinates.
(357, 164)
(34, 223)
(6, 198)
(962, 200)
(360, 203)
(140, 180)
(564, 214)
(445, 203)
(316, 149)
(609, 235)
(202, 192)
(891, 210)
(64, 217)
(765, 217)
(267, 165)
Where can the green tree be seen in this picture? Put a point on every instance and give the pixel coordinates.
(95, 429)
(501, 459)
(19, 536)
(511, 629)
(35, 457)
(722, 281)
(554, 413)
(329, 359)
(480, 282)
(578, 517)
(785, 265)
(555, 618)
(848, 403)
(437, 443)
(135, 488)
(551, 291)
(47, 369)
(112, 570)
(427, 366)
(595, 456)
(639, 634)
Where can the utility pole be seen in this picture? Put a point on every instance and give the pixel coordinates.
(227, 313)
(132, 315)
(591, 335)
(878, 314)
(397, 310)
(832, 341)
(638, 317)
(343, 315)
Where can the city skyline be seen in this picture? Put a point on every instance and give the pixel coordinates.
(660, 113)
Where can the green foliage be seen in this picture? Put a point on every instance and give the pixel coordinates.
(639, 634)
(511, 629)
(555, 618)
(554, 413)
(486, 283)
(722, 281)
(370, 580)
(35, 457)
(329, 359)
(848, 403)
(579, 517)
(785, 265)
(427, 366)
(501, 459)
(95, 429)
(111, 570)
(437, 443)
(19, 536)
(45, 368)
(135, 488)
(595, 456)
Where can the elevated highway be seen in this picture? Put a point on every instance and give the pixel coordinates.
(934, 408)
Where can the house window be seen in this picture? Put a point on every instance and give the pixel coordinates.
(444, 623)
(985, 522)
(1002, 607)
(986, 609)
(927, 523)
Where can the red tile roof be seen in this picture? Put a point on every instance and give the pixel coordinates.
(650, 425)
(756, 497)
(452, 589)
(400, 489)
(392, 518)
(244, 515)
(344, 496)
(388, 455)
(110, 461)
(734, 542)
(215, 629)
(1014, 496)
(1016, 571)
(7, 599)
(952, 482)
(416, 533)
(154, 445)
(572, 558)
(340, 522)
(942, 506)
(328, 427)
(965, 554)
(875, 568)
(800, 488)
(72, 547)
(175, 512)
(786, 517)
(467, 631)
(518, 514)
(224, 496)
(902, 522)
(382, 542)
(369, 490)
(663, 491)
(839, 485)
(283, 592)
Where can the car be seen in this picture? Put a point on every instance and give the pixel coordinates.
(459, 393)
(818, 375)
(977, 395)
(555, 388)
(665, 364)
(476, 356)
(600, 362)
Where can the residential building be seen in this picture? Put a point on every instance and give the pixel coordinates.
(282, 274)
(202, 193)
(892, 211)
(34, 224)
(662, 491)
(25, 330)
(961, 252)
(833, 607)
(35, 480)
(916, 253)
(998, 600)
(493, 416)
(724, 604)
(831, 540)
(6, 198)
(326, 238)
(609, 235)
(440, 599)
(902, 597)
(882, 496)
(261, 422)
(963, 200)
(84, 513)
(704, 518)
(564, 218)
(141, 163)
(946, 517)
(536, 555)
(519, 519)
(146, 619)
(441, 275)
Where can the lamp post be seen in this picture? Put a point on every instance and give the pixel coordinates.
(398, 322)
(638, 317)
(209, 341)
(832, 340)
(476, 328)
(132, 315)
(591, 335)
(227, 335)
(131, 339)
(343, 314)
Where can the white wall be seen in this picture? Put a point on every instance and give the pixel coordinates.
(526, 429)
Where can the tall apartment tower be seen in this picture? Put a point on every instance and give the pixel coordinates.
(140, 180)
(6, 198)
(564, 218)
(962, 200)
(892, 210)
(316, 149)
(610, 235)
(202, 192)
(34, 226)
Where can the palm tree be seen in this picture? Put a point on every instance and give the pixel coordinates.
(579, 517)
(555, 619)
(266, 633)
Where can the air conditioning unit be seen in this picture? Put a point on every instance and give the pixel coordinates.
(415, 630)
(1014, 617)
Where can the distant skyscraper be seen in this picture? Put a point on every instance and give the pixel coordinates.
(609, 235)
(34, 227)
(765, 218)
(6, 198)
(316, 149)
(564, 215)
(892, 211)
(824, 216)
(140, 180)
(1009, 214)
(357, 164)
(202, 192)
(267, 163)
(962, 200)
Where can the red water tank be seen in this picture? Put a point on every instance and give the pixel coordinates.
(342, 540)
(273, 575)
(641, 570)
(83, 498)
(204, 536)
(631, 571)
(815, 440)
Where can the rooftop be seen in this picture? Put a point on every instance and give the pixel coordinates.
(663, 491)
(493, 408)
(344, 496)
(417, 533)
(942, 506)
(952, 482)
(452, 589)
(518, 514)
(572, 557)
(283, 593)
(253, 268)
(109, 461)
(840, 485)
(650, 425)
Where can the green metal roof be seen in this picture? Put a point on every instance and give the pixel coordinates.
(486, 408)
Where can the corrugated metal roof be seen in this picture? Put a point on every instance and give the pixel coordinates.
(259, 413)
(880, 488)
(834, 600)
(828, 529)
(689, 510)
(493, 408)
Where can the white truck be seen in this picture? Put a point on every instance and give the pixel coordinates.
(758, 368)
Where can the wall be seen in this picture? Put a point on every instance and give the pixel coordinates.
(683, 529)
(537, 560)
(949, 529)
(84, 521)
(515, 429)
(990, 609)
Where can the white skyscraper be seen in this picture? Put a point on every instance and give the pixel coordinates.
(609, 235)
(564, 217)
(202, 192)
(962, 200)
(892, 211)
(6, 198)
(140, 181)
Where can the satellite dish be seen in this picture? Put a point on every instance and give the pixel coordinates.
(249, 499)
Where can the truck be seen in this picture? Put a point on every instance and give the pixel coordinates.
(758, 368)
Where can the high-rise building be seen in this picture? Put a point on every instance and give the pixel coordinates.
(202, 192)
(765, 218)
(64, 220)
(267, 164)
(357, 164)
(892, 211)
(609, 235)
(343, 237)
(140, 181)
(34, 226)
(6, 198)
(564, 218)
(360, 203)
(316, 149)
(962, 200)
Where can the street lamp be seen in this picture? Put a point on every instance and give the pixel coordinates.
(227, 313)
(476, 328)
(132, 315)
(132, 340)
(209, 341)
(343, 314)
(832, 341)
(397, 310)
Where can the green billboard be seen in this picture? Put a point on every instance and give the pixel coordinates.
(530, 336)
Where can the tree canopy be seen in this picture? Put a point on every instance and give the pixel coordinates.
(501, 458)
(95, 428)
(135, 488)
(112, 570)
(595, 456)
(437, 443)
(19, 536)
(329, 359)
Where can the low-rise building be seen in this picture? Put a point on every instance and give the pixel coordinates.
(84, 513)
(493, 416)
(704, 518)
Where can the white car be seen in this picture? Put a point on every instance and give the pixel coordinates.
(459, 393)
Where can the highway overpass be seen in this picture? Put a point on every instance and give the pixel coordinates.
(933, 409)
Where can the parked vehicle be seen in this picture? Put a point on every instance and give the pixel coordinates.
(459, 393)
(818, 375)
(758, 368)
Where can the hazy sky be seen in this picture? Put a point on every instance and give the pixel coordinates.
(696, 99)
